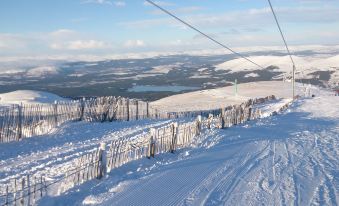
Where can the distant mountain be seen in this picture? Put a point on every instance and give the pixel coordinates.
(172, 73)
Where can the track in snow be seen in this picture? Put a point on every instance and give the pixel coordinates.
(289, 159)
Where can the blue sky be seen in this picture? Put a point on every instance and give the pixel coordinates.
(98, 27)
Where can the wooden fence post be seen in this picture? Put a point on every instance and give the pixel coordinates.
(102, 161)
(22, 201)
(15, 191)
(82, 109)
(222, 118)
(209, 121)
(55, 109)
(29, 191)
(6, 200)
(147, 109)
(151, 145)
(19, 121)
(174, 130)
(198, 125)
(136, 110)
(41, 186)
(127, 110)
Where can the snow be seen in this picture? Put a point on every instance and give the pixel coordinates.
(286, 159)
(305, 64)
(163, 69)
(328, 109)
(42, 71)
(252, 74)
(52, 154)
(29, 97)
(225, 96)
(313, 63)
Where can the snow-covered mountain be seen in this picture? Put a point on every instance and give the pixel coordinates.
(205, 69)
(29, 97)
(306, 65)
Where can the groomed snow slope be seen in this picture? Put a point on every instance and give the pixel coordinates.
(225, 96)
(288, 159)
(29, 97)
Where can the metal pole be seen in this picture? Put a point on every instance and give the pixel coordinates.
(293, 81)
(236, 87)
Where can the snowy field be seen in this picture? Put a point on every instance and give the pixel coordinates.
(225, 96)
(287, 159)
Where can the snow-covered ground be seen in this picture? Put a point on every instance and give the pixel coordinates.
(56, 150)
(225, 96)
(288, 159)
(29, 97)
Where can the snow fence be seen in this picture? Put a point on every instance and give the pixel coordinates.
(27, 190)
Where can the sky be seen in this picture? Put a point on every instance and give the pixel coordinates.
(101, 27)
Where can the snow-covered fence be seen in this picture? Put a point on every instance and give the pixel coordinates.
(24, 191)
(166, 139)
(23, 121)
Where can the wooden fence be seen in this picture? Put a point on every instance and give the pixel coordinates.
(27, 190)
(23, 121)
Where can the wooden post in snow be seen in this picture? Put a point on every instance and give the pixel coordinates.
(6, 200)
(198, 125)
(127, 110)
(147, 109)
(137, 110)
(15, 191)
(19, 122)
(29, 191)
(41, 186)
(102, 160)
(22, 201)
(222, 118)
(82, 109)
(209, 121)
(151, 145)
(249, 113)
(55, 111)
(174, 130)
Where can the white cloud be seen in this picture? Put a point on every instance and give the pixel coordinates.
(89, 44)
(250, 17)
(134, 43)
(78, 45)
(120, 3)
(160, 3)
(106, 2)
(97, 2)
(61, 33)
(10, 41)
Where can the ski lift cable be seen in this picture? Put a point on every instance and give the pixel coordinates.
(280, 30)
(204, 34)
(288, 50)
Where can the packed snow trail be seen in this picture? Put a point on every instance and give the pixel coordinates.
(288, 159)
(51, 154)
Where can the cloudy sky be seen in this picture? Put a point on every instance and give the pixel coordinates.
(100, 27)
